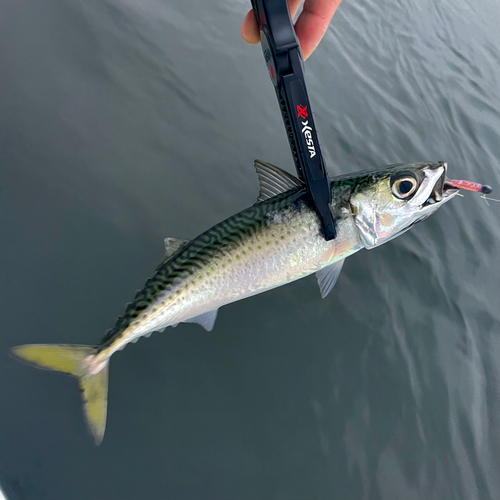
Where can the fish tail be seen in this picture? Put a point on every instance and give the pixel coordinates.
(79, 361)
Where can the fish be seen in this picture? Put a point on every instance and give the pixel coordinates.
(276, 241)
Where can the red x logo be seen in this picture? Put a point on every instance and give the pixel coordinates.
(302, 110)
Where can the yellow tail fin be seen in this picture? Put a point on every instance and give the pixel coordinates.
(74, 359)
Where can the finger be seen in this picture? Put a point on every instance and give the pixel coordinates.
(250, 29)
(293, 7)
(313, 22)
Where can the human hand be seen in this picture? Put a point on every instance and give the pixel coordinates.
(310, 27)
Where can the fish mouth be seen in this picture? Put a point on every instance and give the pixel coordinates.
(448, 188)
(443, 190)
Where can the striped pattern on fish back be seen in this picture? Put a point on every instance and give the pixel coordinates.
(197, 253)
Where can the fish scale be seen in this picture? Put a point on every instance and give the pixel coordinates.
(279, 249)
(196, 255)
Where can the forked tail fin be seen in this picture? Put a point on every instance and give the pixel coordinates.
(75, 360)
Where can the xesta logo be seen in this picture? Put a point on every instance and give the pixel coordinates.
(302, 111)
(306, 130)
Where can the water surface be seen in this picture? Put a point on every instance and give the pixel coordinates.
(124, 122)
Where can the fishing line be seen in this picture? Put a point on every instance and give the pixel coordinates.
(485, 198)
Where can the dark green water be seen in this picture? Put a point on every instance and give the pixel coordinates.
(123, 122)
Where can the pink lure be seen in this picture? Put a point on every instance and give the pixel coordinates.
(470, 186)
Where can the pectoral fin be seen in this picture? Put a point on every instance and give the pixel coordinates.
(328, 276)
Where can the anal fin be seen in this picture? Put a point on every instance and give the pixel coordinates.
(206, 320)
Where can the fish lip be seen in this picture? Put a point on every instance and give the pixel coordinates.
(448, 188)
(443, 189)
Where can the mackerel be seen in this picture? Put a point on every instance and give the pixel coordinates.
(274, 242)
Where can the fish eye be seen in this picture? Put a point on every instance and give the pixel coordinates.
(403, 187)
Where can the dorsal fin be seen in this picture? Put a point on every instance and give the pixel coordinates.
(273, 180)
(172, 245)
